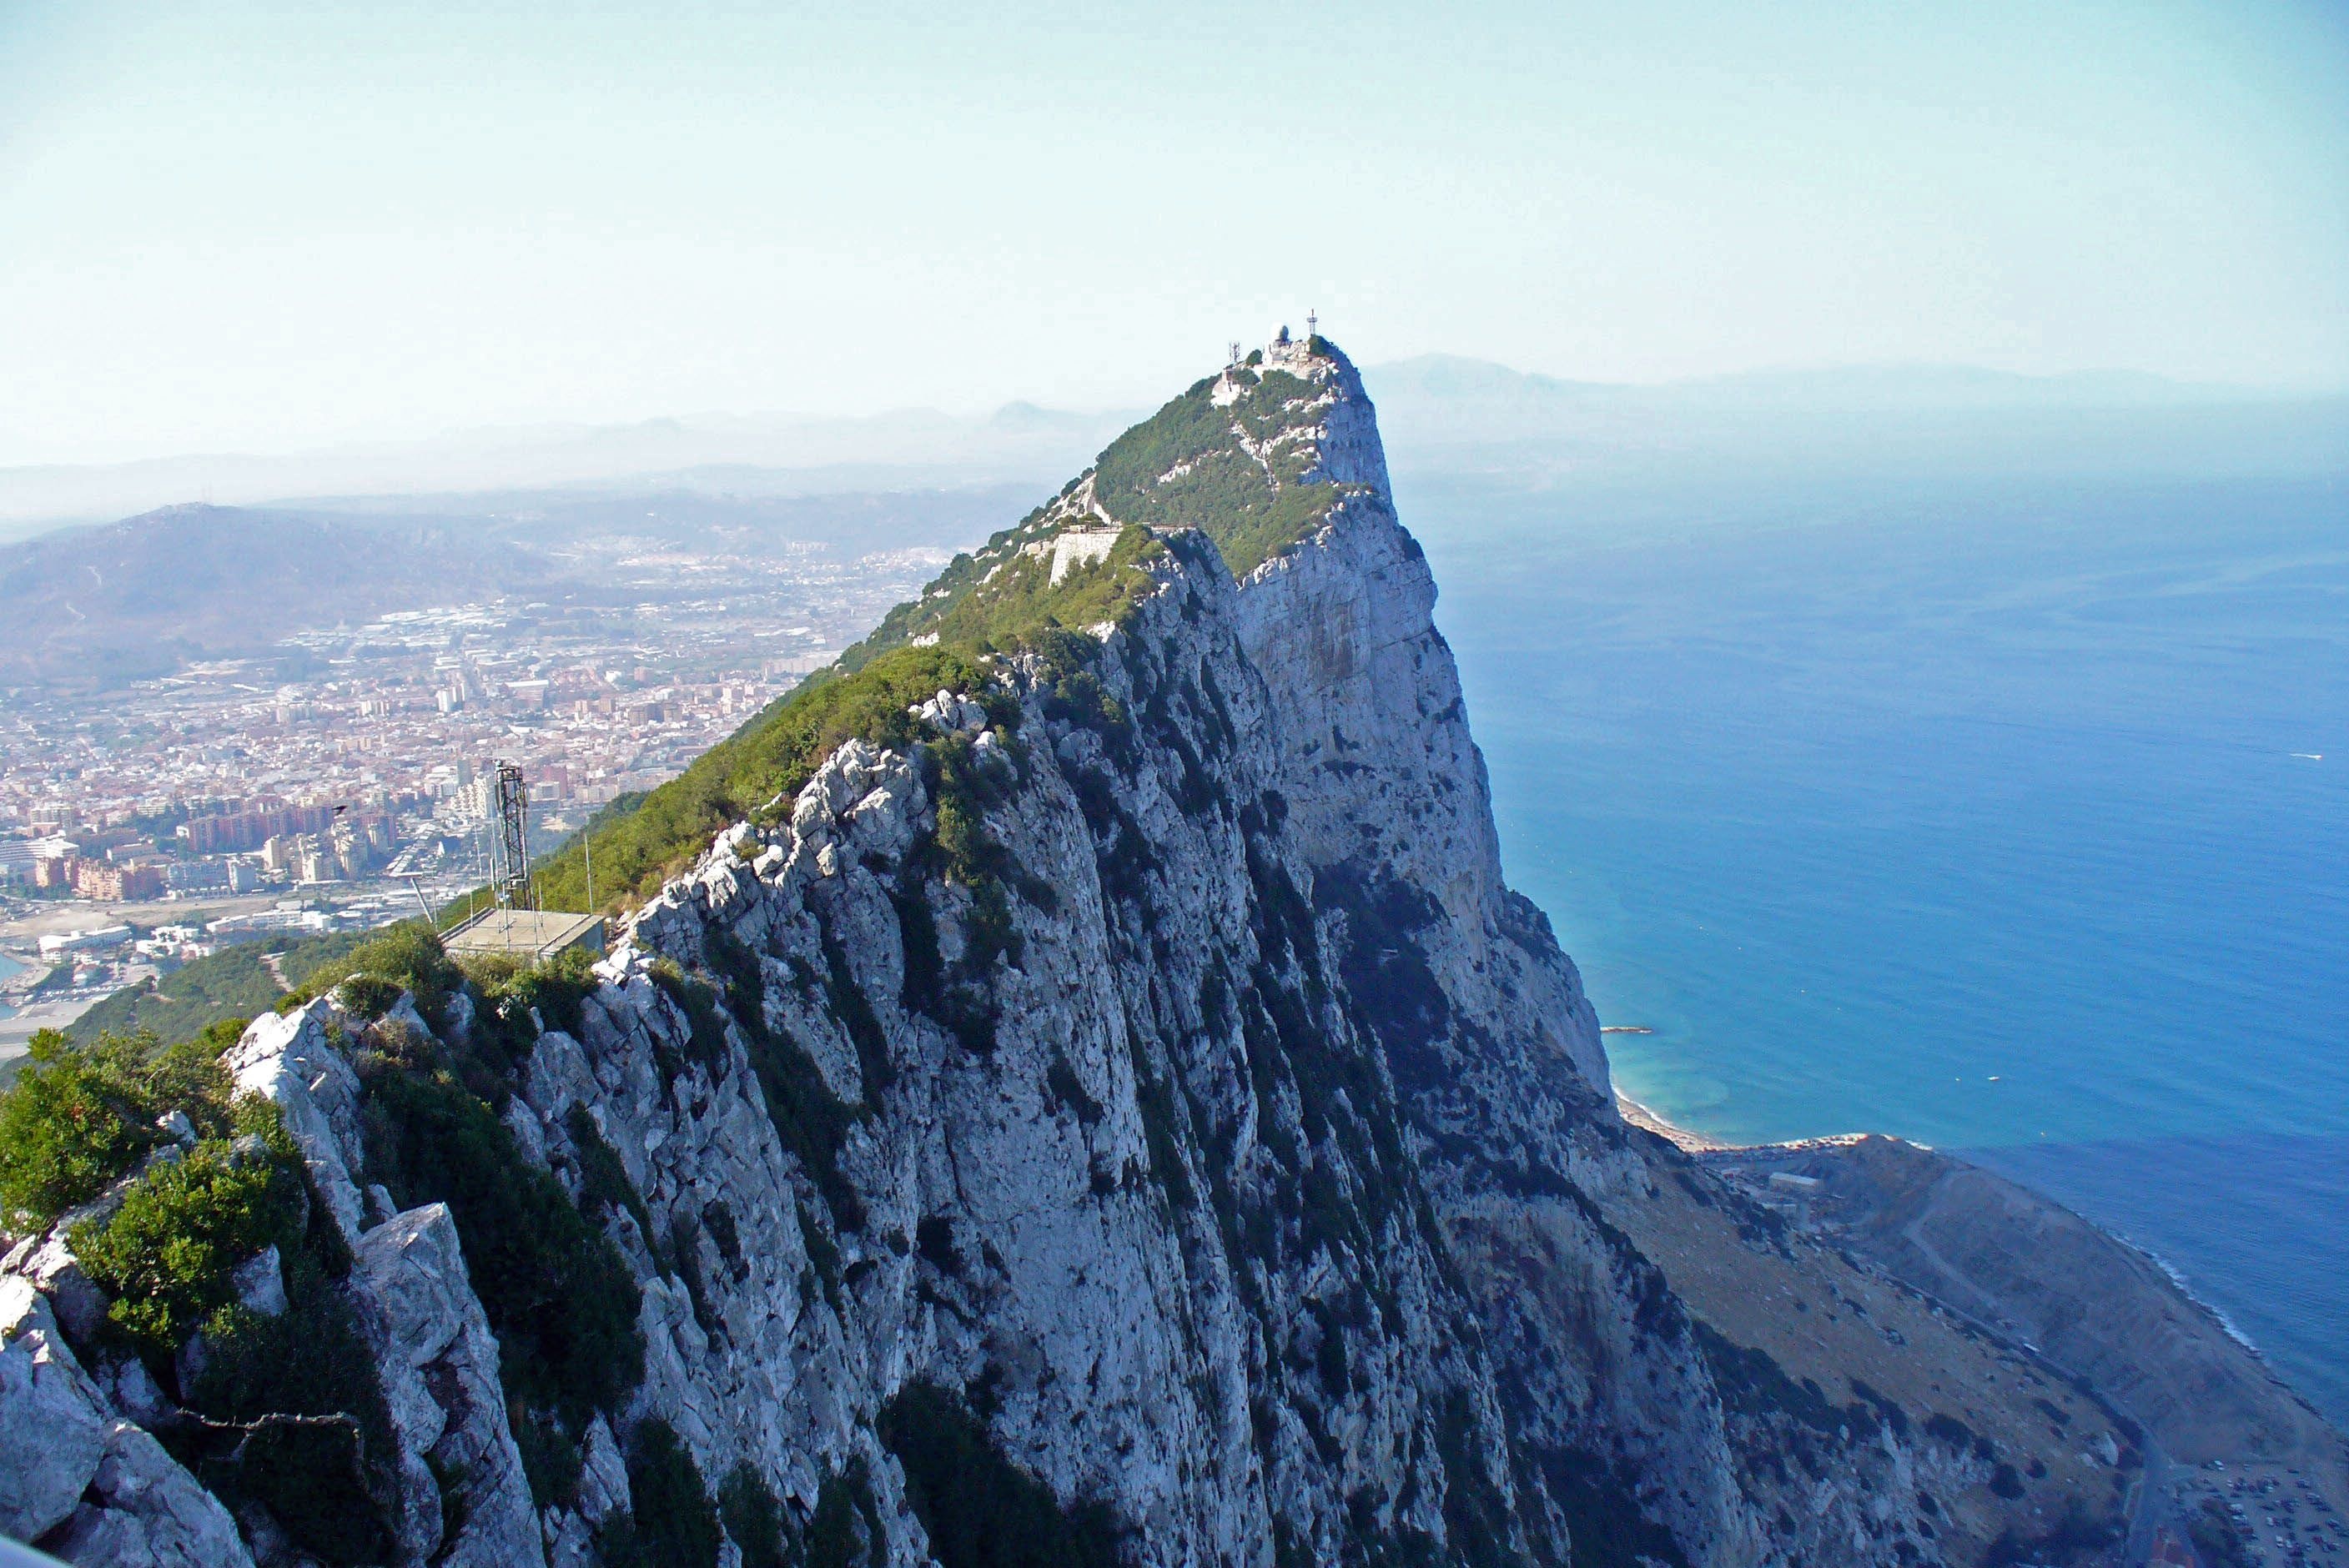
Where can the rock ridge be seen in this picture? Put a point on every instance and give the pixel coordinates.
(1134, 1090)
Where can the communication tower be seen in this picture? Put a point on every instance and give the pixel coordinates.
(1312, 326)
(1233, 363)
(510, 871)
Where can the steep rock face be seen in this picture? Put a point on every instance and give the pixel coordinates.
(1069, 1152)
(1257, 1187)
(51, 1446)
(141, 1507)
(439, 1367)
(89, 1485)
(1159, 1100)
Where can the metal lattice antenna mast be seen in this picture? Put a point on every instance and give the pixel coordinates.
(1312, 326)
(1233, 363)
(513, 836)
(488, 869)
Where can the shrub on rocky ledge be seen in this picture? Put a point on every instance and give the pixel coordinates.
(558, 988)
(753, 1518)
(301, 1425)
(670, 1522)
(509, 991)
(166, 1256)
(81, 1117)
(979, 1509)
(407, 954)
(292, 1417)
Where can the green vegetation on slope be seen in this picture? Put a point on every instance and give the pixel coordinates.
(1019, 597)
(1252, 510)
(320, 1455)
(775, 753)
(753, 1517)
(993, 600)
(865, 697)
(307, 1436)
(1000, 596)
(81, 1117)
(669, 1522)
(301, 1422)
(165, 1256)
(234, 983)
(978, 1509)
(557, 1294)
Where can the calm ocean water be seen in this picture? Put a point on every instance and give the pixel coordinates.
(2013, 821)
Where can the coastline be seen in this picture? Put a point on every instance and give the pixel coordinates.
(1750, 1167)
(1646, 1119)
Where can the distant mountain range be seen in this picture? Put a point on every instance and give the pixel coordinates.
(1878, 388)
(483, 512)
(765, 455)
(138, 598)
(90, 608)
(1442, 411)
(1433, 403)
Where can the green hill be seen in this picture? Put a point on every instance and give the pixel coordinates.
(234, 983)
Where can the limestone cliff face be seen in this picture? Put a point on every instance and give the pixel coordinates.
(1231, 1148)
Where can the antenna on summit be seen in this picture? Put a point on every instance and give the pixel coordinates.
(1312, 326)
(1233, 363)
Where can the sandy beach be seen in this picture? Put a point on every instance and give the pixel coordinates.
(1645, 1118)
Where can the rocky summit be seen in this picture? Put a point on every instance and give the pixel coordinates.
(1071, 1085)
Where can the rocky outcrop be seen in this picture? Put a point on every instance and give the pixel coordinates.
(75, 1478)
(52, 1421)
(141, 1507)
(1142, 1093)
(290, 1059)
(439, 1365)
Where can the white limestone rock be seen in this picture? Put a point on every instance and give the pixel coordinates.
(48, 1262)
(53, 1421)
(604, 1475)
(259, 1283)
(132, 1389)
(403, 1014)
(293, 1060)
(459, 1026)
(952, 712)
(145, 1512)
(438, 1364)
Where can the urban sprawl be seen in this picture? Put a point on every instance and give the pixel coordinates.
(348, 775)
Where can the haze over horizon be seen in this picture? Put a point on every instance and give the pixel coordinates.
(1444, 412)
(235, 226)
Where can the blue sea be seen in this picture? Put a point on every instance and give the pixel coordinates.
(2010, 819)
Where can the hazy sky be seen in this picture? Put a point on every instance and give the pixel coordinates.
(256, 227)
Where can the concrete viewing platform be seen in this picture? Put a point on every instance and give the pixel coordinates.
(535, 933)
